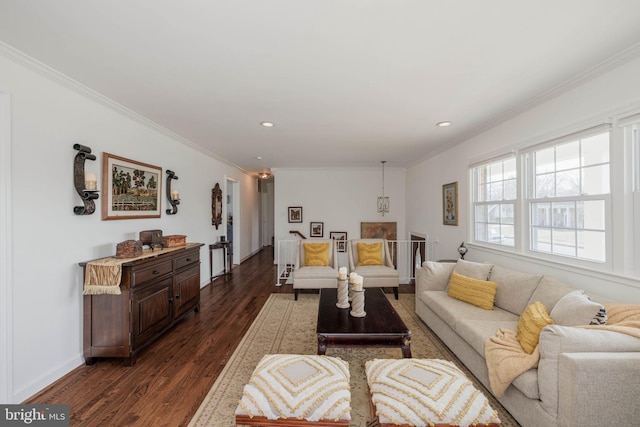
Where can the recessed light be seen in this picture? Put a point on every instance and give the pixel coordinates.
(267, 124)
(443, 124)
(259, 158)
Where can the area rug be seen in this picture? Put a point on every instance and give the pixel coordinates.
(287, 326)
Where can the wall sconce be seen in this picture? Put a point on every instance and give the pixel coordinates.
(86, 184)
(383, 202)
(173, 196)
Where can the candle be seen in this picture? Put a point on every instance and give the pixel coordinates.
(352, 276)
(357, 284)
(90, 181)
(342, 273)
(175, 195)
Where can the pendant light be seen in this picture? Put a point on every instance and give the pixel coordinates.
(383, 202)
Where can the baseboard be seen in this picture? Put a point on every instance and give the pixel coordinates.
(52, 376)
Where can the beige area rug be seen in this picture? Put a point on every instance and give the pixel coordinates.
(287, 326)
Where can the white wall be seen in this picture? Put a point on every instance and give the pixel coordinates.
(342, 198)
(613, 92)
(48, 240)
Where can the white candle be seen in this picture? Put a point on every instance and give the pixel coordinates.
(352, 276)
(342, 273)
(90, 181)
(357, 284)
(175, 195)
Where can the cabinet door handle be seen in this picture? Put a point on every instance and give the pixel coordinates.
(170, 299)
(156, 272)
(177, 296)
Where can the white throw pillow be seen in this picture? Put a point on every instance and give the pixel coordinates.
(434, 276)
(576, 309)
(475, 270)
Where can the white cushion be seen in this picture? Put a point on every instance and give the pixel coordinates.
(576, 309)
(475, 270)
(434, 276)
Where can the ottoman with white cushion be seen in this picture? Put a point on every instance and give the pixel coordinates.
(289, 389)
(425, 392)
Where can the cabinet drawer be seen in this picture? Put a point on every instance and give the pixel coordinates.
(151, 273)
(187, 259)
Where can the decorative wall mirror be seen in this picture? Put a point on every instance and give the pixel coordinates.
(216, 206)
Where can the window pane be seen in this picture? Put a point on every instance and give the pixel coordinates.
(541, 214)
(493, 213)
(568, 156)
(510, 168)
(482, 193)
(481, 232)
(481, 213)
(564, 242)
(507, 213)
(568, 183)
(494, 233)
(495, 191)
(595, 180)
(545, 185)
(564, 214)
(508, 235)
(545, 161)
(591, 245)
(496, 172)
(510, 189)
(541, 239)
(481, 172)
(595, 149)
(593, 216)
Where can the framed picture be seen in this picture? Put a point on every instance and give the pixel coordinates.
(317, 229)
(379, 230)
(341, 237)
(450, 204)
(216, 205)
(295, 214)
(130, 189)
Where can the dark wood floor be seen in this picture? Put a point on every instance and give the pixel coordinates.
(172, 376)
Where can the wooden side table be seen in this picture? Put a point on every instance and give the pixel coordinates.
(227, 258)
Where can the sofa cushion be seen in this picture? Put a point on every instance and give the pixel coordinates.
(376, 271)
(450, 310)
(514, 288)
(477, 292)
(577, 309)
(527, 383)
(370, 253)
(477, 332)
(549, 291)
(434, 276)
(322, 272)
(531, 322)
(472, 269)
(316, 254)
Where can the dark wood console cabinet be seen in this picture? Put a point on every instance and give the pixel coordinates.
(156, 293)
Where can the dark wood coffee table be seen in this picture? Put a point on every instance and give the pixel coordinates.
(381, 327)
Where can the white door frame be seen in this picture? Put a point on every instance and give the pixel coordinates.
(235, 209)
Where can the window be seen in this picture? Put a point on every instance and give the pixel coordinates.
(568, 197)
(495, 192)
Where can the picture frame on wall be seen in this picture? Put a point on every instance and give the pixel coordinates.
(316, 229)
(130, 189)
(295, 214)
(341, 237)
(450, 203)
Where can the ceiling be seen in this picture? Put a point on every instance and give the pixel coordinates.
(346, 82)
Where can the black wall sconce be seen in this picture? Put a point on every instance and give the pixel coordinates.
(173, 196)
(86, 188)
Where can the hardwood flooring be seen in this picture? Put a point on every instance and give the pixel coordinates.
(172, 376)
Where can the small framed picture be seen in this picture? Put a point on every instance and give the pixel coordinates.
(450, 204)
(341, 237)
(317, 229)
(295, 214)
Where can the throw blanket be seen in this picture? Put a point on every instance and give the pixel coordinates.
(102, 276)
(506, 359)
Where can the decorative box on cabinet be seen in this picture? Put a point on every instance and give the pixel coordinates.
(156, 292)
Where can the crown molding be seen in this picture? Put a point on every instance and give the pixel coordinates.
(55, 75)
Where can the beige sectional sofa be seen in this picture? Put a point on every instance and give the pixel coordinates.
(585, 377)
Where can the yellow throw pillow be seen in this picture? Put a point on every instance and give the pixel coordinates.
(370, 253)
(316, 254)
(532, 320)
(477, 292)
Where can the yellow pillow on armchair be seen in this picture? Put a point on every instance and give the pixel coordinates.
(316, 254)
(370, 253)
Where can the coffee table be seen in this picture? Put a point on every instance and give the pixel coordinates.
(381, 327)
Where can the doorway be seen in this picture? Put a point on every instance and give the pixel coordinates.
(233, 216)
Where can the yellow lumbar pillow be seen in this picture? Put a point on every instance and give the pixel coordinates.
(316, 254)
(473, 291)
(532, 320)
(370, 253)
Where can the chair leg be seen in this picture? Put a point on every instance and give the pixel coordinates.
(295, 294)
(395, 291)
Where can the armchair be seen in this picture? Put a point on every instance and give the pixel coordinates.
(315, 265)
(376, 265)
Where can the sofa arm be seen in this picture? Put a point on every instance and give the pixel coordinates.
(599, 389)
(557, 341)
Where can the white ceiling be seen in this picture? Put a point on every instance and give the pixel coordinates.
(347, 82)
